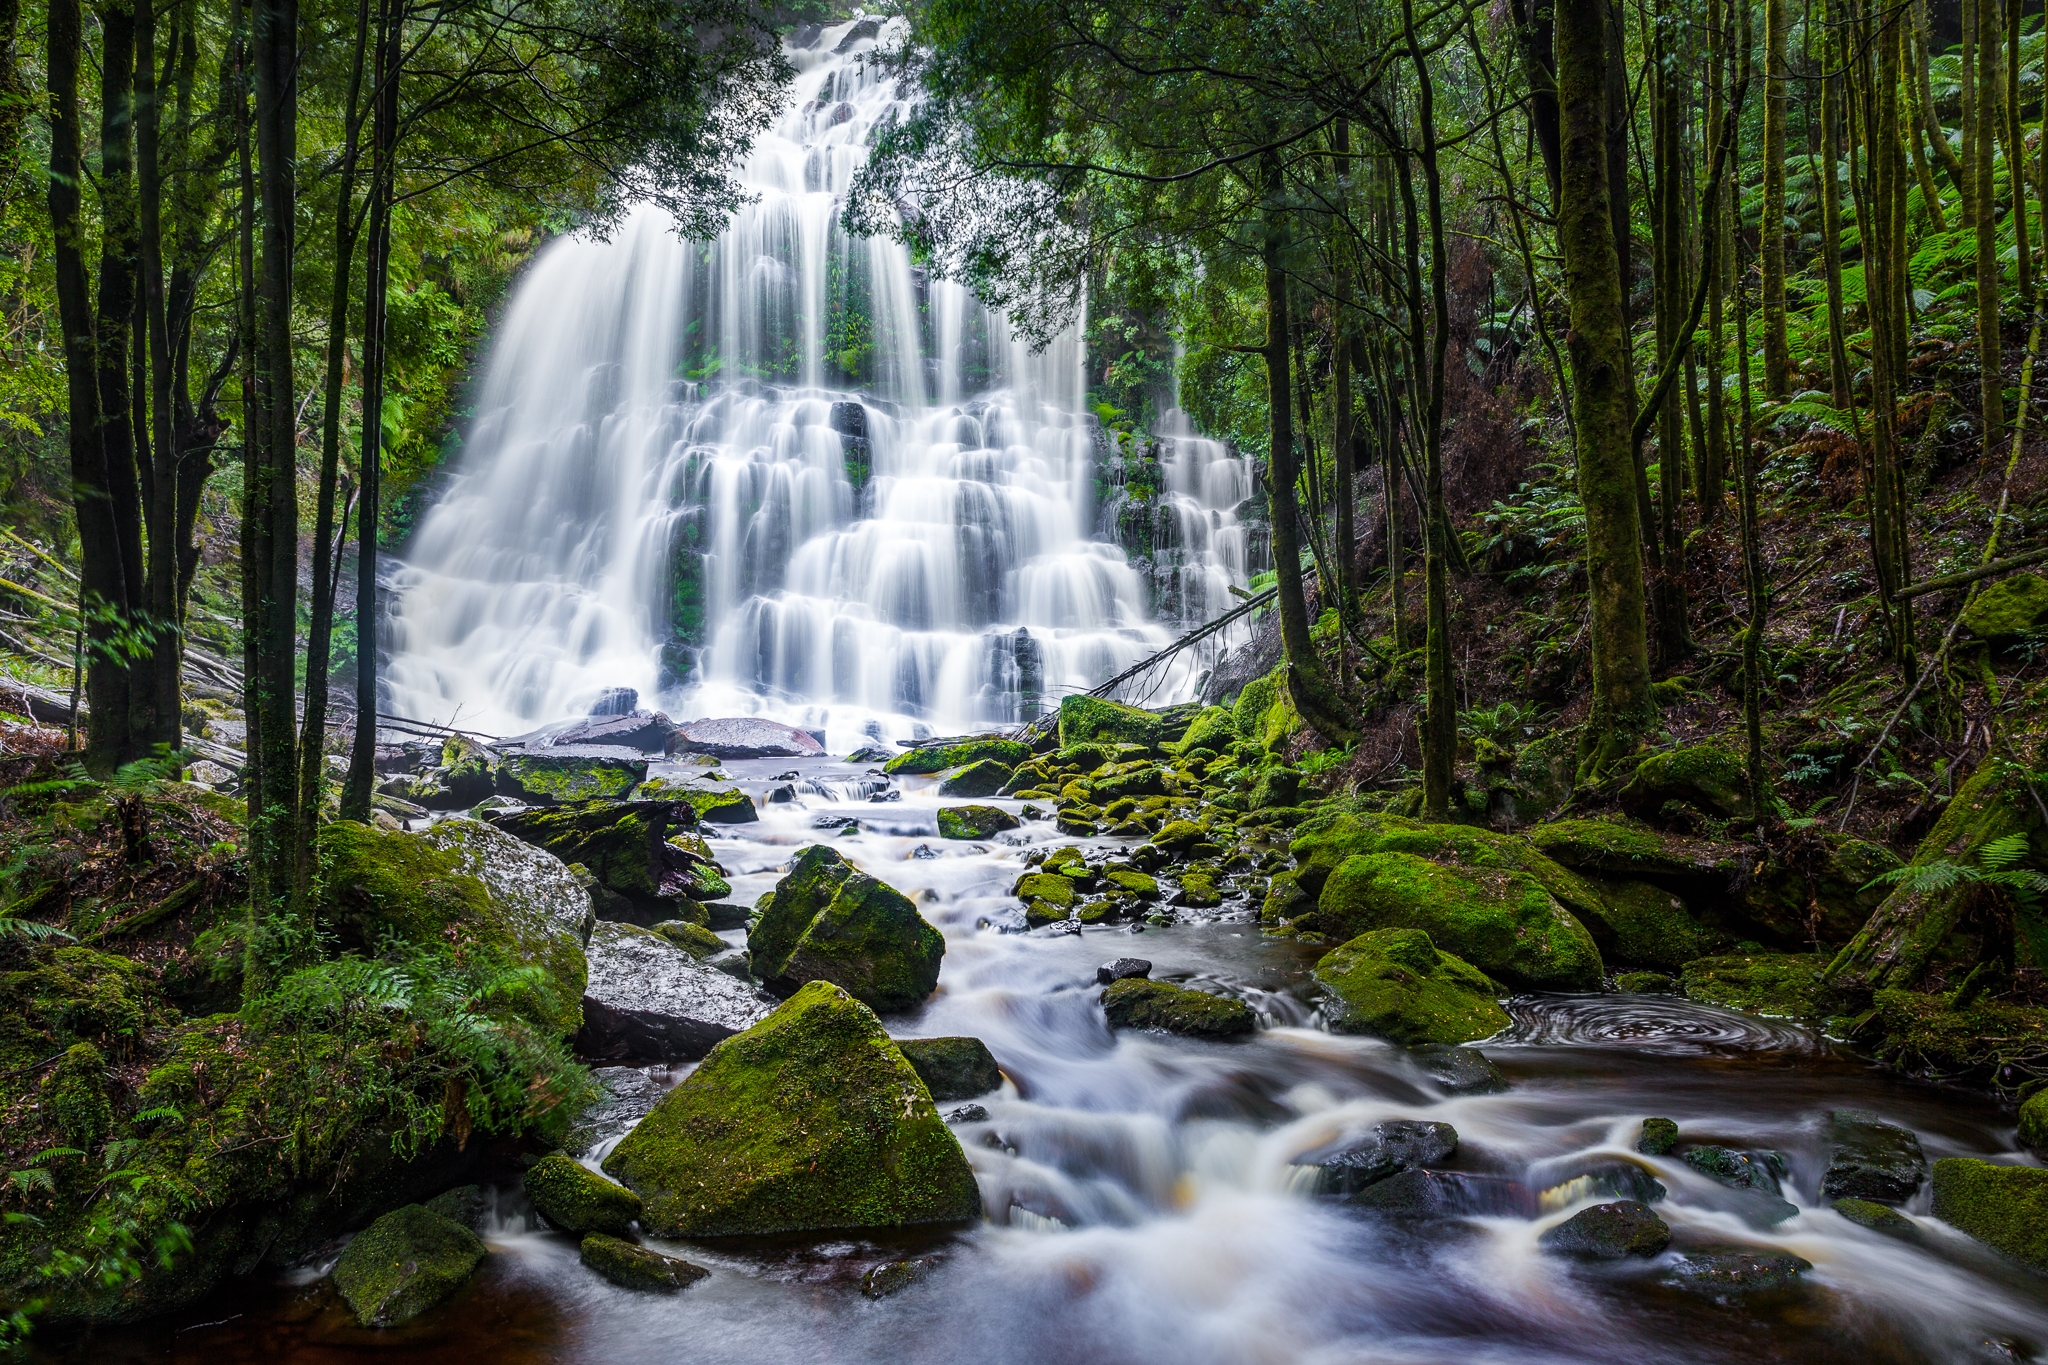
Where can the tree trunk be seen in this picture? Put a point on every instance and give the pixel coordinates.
(1990, 343)
(154, 705)
(1713, 457)
(1534, 31)
(1840, 380)
(2016, 152)
(1673, 301)
(1777, 350)
(1937, 139)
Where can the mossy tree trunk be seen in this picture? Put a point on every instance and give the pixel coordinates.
(1990, 345)
(1930, 116)
(1777, 73)
(1622, 710)
(1674, 298)
(1839, 375)
(1710, 486)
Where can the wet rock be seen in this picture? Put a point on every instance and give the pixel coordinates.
(1569, 1180)
(615, 701)
(1736, 1170)
(717, 805)
(465, 1204)
(625, 1094)
(1502, 922)
(2005, 1207)
(737, 737)
(1645, 983)
(873, 753)
(1135, 1002)
(1877, 1217)
(1385, 1150)
(1787, 985)
(935, 758)
(968, 1113)
(1212, 728)
(624, 844)
(1177, 836)
(1658, 1137)
(1047, 896)
(1198, 891)
(1120, 969)
(1091, 720)
(984, 778)
(647, 731)
(829, 922)
(721, 915)
(974, 822)
(1707, 777)
(1608, 1232)
(1460, 1070)
(693, 939)
(1445, 1194)
(1831, 891)
(1727, 1273)
(1638, 922)
(577, 1199)
(635, 1267)
(812, 1119)
(952, 1068)
(542, 779)
(649, 1000)
(895, 1277)
(1629, 851)
(1871, 1159)
(1395, 984)
(403, 1264)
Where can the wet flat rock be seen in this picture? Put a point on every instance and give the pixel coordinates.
(737, 737)
(1872, 1159)
(1383, 1151)
(1736, 1272)
(1418, 1194)
(648, 1000)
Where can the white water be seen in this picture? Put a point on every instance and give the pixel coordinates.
(651, 402)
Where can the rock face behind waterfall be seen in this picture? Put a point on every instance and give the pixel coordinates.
(811, 1119)
(827, 921)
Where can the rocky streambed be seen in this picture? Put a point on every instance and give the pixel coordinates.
(1206, 1140)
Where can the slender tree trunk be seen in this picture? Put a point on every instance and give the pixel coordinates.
(1777, 73)
(1922, 165)
(1990, 341)
(154, 708)
(1752, 578)
(1622, 710)
(1840, 381)
(1534, 31)
(255, 537)
(2016, 151)
(1673, 302)
(1713, 457)
(1937, 139)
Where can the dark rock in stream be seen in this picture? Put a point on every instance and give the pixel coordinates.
(968, 1113)
(1460, 1070)
(648, 1000)
(1446, 1194)
(1567, 1180)
(1865, 1213)
(626, 1095)
(952, 1068)
(1737, 1170)
(895, 1277)
(1120, 968)
(1135, 1002)
(1659, 1136)
(577, 1199)
(465, 1204)
(1609, 1232)
(1732, 1272)
(1384, 1151)
(829, 921)
(738, 737)
(635, 1267)
(1872, 1159)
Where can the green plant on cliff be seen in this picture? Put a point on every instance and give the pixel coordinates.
(2000, 866)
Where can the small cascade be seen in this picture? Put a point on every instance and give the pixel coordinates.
(786, 473)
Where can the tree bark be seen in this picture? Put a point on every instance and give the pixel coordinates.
(1673, 319)
(1990, 342)
(1840, 381)
(1777, 350)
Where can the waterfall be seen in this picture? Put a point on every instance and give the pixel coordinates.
(786, 473)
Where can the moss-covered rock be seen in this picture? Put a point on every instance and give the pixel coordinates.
(1135, 1002)
(952, 1068)
(1213, 728)
(1924, 1035)
(1608, 1232)
(1867, 1213)
(936, 758)
(1198, 890)
(1706, 777)
(1091, 720)
(1047, 896)
(694, 939)
(1276, 786)
(2005, 1207)
(1625, 849)
(636, 1267)
(1130, 780)
(1658, 1137)
(403, 1264)
(542, 779)
(717, 805)
(2034, 1122)
(1500, 921)
(811, 1119)
(983, 778)
(1638, 924)
(1645, 983)
(831, 922)
(626, 846)
(1786, 984)
(1826, 894)
(1395, 984)
(1132, 882)
(2008, 609)
(577, 1199)
(974, 822)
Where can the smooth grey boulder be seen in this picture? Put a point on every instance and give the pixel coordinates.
(1460, 1070)
(648, 1000)
(1446, 1194)
(744, 737)
(647, 732)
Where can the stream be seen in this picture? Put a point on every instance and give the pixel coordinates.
(1145, 1202)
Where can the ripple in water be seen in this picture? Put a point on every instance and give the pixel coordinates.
(1660, 1024)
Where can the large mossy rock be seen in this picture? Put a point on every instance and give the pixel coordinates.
(2008, 609)
(936, 758)
(829, 921)
(1395, 984)
(577, 1199)
(1707, 777)
(1212, 728)
(462, 881)
(714, 804)
(1502, 922)
(810, 1120)
(2034, 1123)
(984, 777)
(1091, 720)
(952, 1068)
(1624, 849)
(636, 1267)
(1828, 892)
(403, 1264)
(974, 822)
(543, 779)
(1135, 1002)
(1639, 924)
(1785, 984)
(2005, 1207)
(625, 845)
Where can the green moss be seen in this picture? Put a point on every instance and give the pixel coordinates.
(2008, 609)
(76, 1097)
(1135, 1002)
(1249, 715)
(1828, 896)
(2034, 1122)
(985, 777)
(974, 822)
(1130, 780)
(830, 922)
(1394, 984)
(718, 805)
(1081, 760)
(1213, 728)
(635, 1267)
(2005, 1207)
(1619, 849)
(1706, 776)
(1658, 1137)
(694, 939)
(1198, 890)
(545, 778)
(1031, 776)
(952, 1068)
(577, 1199)
(1132, 883)
(812, 1119)
(1091, 720)
(933, 758)
(1868, 1213)
(1643, 925)
(1919, 1033)
(403, 1264)
(71, 995)
(620, 842)
(376, 882)
(1276, 787)
(1785, 984)
(1645, 983)
(1502, 922)
(1050, 887)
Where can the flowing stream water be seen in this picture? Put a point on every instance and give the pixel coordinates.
(787, 473)
(1145, 1202)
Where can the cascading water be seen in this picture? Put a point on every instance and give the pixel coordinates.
(785, 473)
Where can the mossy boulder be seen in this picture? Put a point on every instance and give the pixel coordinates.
(936, 758)
(1277, 786)
(543, 779)
(1047, 896)
(1502, 922)
(636, 1267)
(974, 822)
(983, 778)
(694, 939)
(1132, 882)
(1608, 1232)
(831, 922)
(1627, 850)
(1091, 720)
(1640, 924)
(1825, 892)
(1213, 728)
(461, 881)
(1707, 777)
(625, 846)
(1135, 1002)
(1134, 779)
(2034, 1122)
(2006, 610)
(952, 1068)
(1923, 1034)
(403, 1264)
(1786, 984)
(577, 1199)
(1395, 984)
(2005, 1207)
(810, 1120)
(717, 805)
